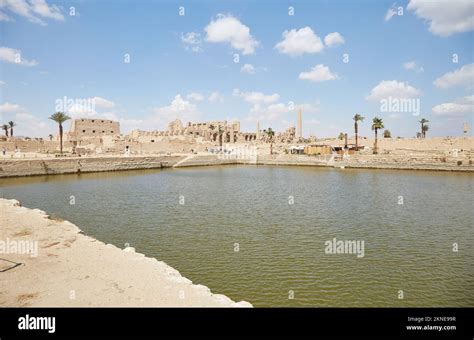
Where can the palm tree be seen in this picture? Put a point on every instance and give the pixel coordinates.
(50, 136)
(5, 127)
(377, 124)
(387, 134)
(212, 127)
(357, 118)
(424, 129)
(270, 134)
(341, 136)
(423, 121)
(12, 124)
(219, 130)
(60, 118)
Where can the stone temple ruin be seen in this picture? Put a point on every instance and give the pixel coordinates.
(96, 136)
(101, 135)
(212, 131)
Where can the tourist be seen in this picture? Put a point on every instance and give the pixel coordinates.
(4, 151)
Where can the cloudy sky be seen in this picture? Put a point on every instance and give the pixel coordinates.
(146, 63)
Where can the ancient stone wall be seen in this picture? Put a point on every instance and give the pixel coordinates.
(29, 145)
(93, 127)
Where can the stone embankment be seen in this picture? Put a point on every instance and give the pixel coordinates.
(410, 161)
(69, 165)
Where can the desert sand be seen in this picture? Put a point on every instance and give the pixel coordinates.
(75, 270)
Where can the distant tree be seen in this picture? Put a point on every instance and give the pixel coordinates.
(11, 124)
(357, 118)
(50, 137)
(425, 129)
(424, 126)
(212, 127)
(270, 134)
(341, 136)
(60, 118)
(387, 134)
(5, 127)
(220, 132)
(377, 124)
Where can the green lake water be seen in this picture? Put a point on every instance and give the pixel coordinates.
(279, 218)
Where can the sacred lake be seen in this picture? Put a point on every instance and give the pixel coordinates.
(261, 233)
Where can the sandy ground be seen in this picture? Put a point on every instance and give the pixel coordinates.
(72, 269)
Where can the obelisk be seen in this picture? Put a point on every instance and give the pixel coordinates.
(299, 126)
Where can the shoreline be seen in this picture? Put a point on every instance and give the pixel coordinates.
(74, 165)
(75, 270)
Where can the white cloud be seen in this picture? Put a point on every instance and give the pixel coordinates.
(394, 89)
(248, 68)
(215, 97)
(413, 66)
(42, 8)
(299, 42)
(228, 29)
(127, 125)
(78, 110)
(2, 83)
(460, 106)
(257, 97)
(334, 39)
(4, 17)
(195, 96)
(103, 103)
(29, 125)
(192, 41)
(26, 124)
(318, 73)
(445, 17)
(307, 108)
(33, 10)
(266, 113)
(86, 107)
(278, 115)
(14, 56)
(392, 11)
(9, 108)
(178, 108)
(462, 76)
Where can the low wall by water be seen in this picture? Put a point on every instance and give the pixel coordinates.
(32, 167)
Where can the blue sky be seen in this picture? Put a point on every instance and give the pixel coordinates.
(182, 66)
